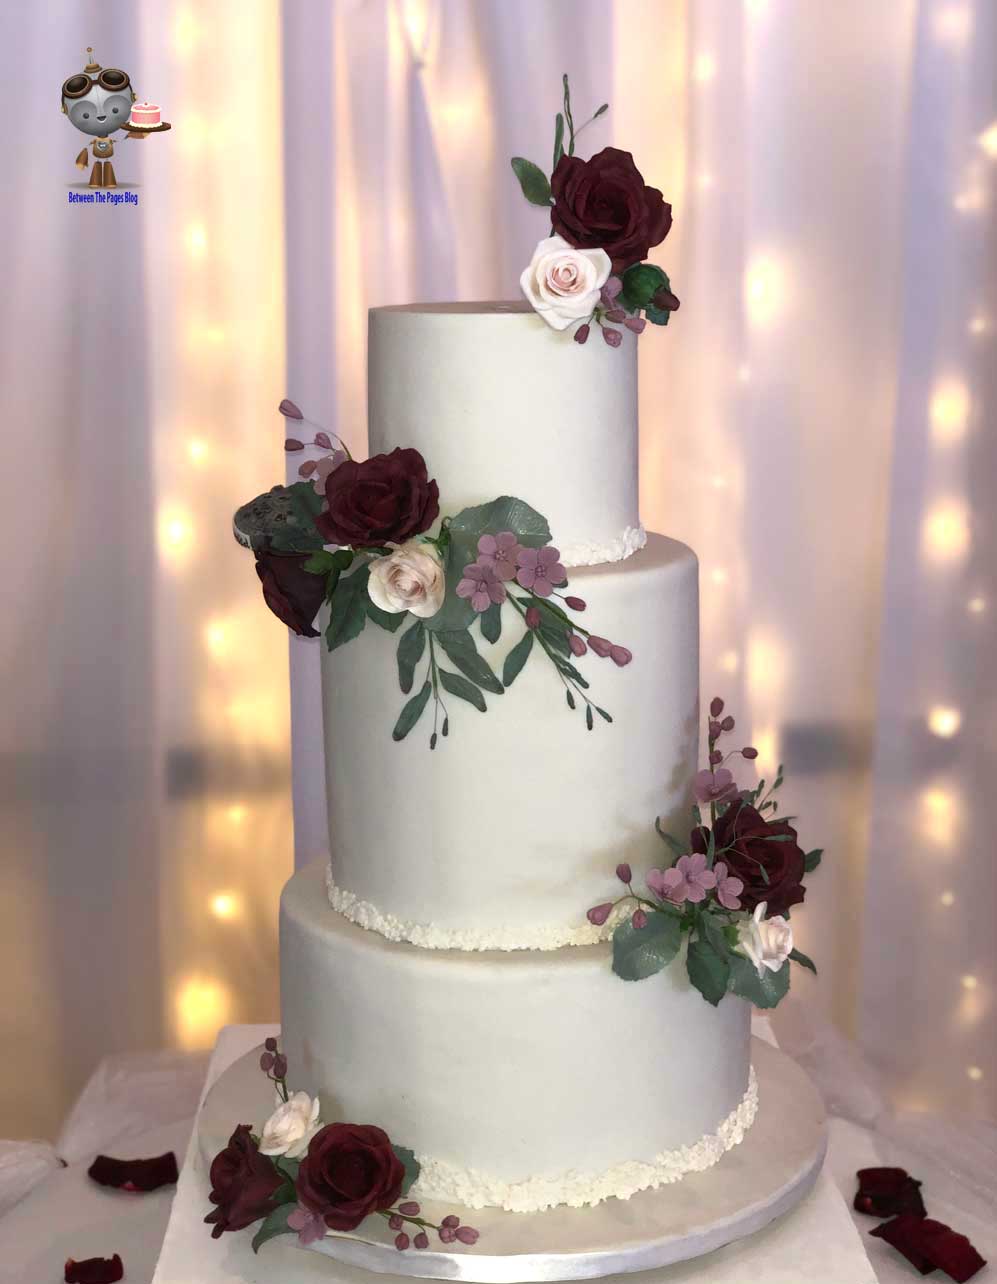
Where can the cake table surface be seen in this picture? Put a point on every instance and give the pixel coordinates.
(817, 1241)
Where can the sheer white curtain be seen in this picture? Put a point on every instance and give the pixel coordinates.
(817, 423)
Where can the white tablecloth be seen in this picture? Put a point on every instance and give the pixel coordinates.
(67, 1215)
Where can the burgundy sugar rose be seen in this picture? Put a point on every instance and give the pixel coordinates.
(386, 499)
(604, 203)
(292, 593)
(748, 837)
(349, 1172)
(243, 1183)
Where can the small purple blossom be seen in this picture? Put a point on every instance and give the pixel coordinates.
(716, 758)
(270, 1044)
(716, 707)
(729, 888)
(280, 1066)
(500, 552)
(624, 873)
(749, 752)
(599, 913)
(616, 315)
(540, 570)
(310, 1226)
(714, 786)
(687, 880)
(482, 585)
(292, 444)
(451, 1221)
(323, 441)
(447, 1234)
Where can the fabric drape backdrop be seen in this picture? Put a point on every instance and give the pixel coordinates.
(818, 423)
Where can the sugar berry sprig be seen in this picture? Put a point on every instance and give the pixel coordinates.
(274, 1065)
(598, 915)
(449, 1229)
(322, 439)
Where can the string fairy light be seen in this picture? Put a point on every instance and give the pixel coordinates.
(939, 809)
(764, 289)
(201, 1006)
(225, 905)
(945, 534)
(944, 721)
(730, 662)
(977, 604)
(988, 140)
(975, 1073)
(704, 68)
(949, 410)
(947, 898)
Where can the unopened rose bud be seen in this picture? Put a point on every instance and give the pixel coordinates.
(577, 644)
(749, 752)
(271, 1044)
(601, 646)
(447, 1234)
(266, 1062)
(665, 300)
(716, 707)
(467, 1234)
(450, 1221)
(323, 440)
(616, 315)
(636, 324)
(714, 728)
(395, 1222)
(612, 337)
(716, 758)
(532, 617)
(280, 1066)
(639, 919)
(421, 1240)
(410, 1209)
(575, 603)
(624, 873)
(402, 1242)
(728, 723)
(620, 655)
(292, 443)
(598, 914)
(582, 333)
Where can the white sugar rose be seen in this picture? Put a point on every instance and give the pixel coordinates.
(767, 942)
(291, 1127)
(409, 579)
(562, 283)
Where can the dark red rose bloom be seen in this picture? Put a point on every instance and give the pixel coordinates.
(292, 593)
(349, 1172)
(929, 1245)
(95, 1270)
(748, 837)
(384, 500)
(243, 1183)
(604, 203)
(885, 1192)
(134, 1174)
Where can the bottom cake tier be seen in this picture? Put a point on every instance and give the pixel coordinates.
(520, 1080)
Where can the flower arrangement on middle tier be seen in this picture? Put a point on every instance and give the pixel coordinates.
(356, 535)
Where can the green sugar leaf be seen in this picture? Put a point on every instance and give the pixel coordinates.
(558, 139)
(812, 859)
(390, 621)
(799, 957)
(708, 971)
(411, 1166)
(275, 1224)
(763, 991)
(640, 952)
(411, 646)
(516, 658)
(459, 646)
(348, 611)
(411, 713)
(491, 623)
(532, 180)
(463, 689)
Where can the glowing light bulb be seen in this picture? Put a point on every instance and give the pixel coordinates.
(949, 410)
(767, 744)
(730, 661)
(718, 575)
(719, 482)
(978, 324)
(953, 24)
(197, 450)
(939, 814)
(947, 899)
(767, 667)
(969, 982)
(237, 813)
(225, 905)
(756, 8)
(944, 722)
(704, 68)
(764, 290)
(704, 182)
(976, 605)
(971, 200)
(176, 535)
(945, 534)
(216, 638)
(974, 1073)
(201, 1006)
(196, 240)
(988, 140)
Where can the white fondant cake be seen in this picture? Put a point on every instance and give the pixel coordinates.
(453, 991)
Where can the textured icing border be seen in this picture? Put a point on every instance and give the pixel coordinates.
(474, 1189)
(589, 553)
(431, 937)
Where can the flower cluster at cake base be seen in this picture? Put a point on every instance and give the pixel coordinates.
(358, 536)
(726, 892)
(604, 221)
(300, 1176)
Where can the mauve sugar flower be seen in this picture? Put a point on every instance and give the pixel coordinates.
(500, 552)
(540, 569)
(687, 880)
(482, 585)
(714, 786)
(624, 873)
(310, 1226)
(729, 888)
(598, 914)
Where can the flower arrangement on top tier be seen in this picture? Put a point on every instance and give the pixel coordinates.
(300, 1176)
(728, 890)
(356, 535)
(604, 221)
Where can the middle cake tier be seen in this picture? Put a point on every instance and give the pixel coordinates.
(505, 835)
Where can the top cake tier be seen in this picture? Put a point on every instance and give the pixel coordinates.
(500, 404)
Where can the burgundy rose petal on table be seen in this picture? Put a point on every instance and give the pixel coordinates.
(95, 1270)
(885, 1192)
(929, 1245)
(136, 1175)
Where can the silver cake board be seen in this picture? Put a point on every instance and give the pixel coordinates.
(759, 1180)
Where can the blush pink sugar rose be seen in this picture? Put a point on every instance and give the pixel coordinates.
(687, 880)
